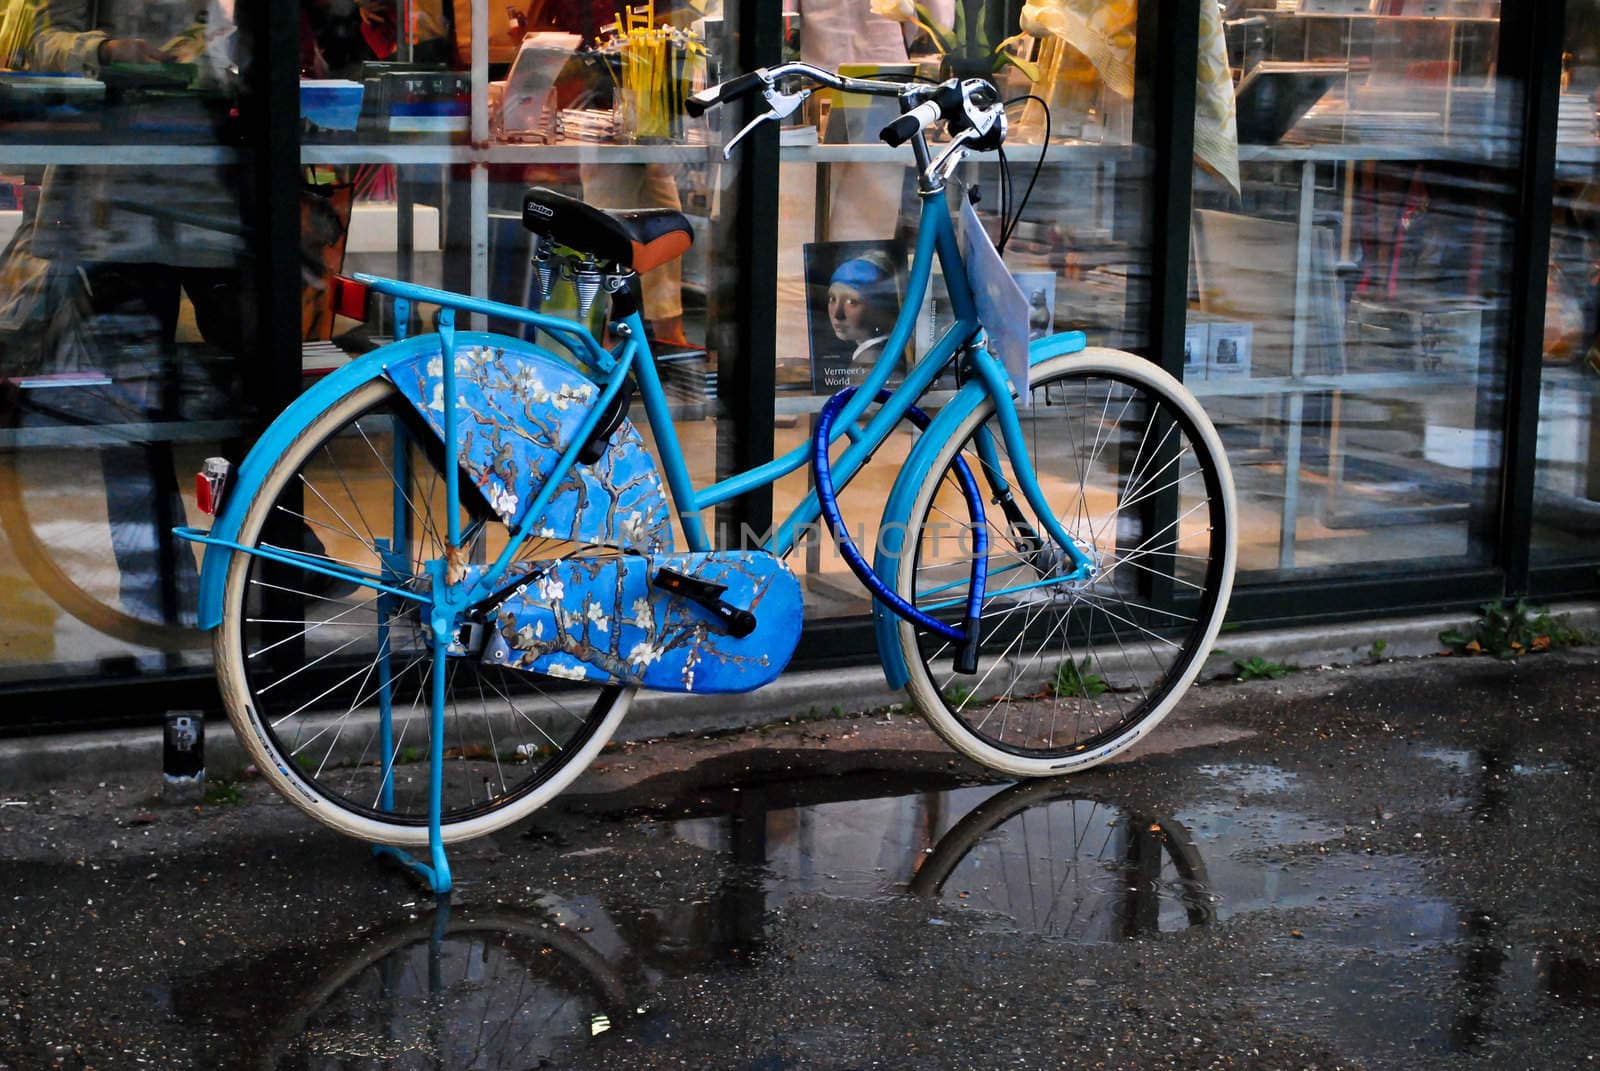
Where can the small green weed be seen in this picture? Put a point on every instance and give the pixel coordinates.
(1508, 630)
(222, 794)
(1378, 647)
(1074, 679)
(1256, 668)
(957, 694)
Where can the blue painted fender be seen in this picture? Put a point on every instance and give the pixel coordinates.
(897, 511)
(511, 393)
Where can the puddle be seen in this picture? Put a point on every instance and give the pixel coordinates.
(1044, 857)
(515, 987)
(504, 988)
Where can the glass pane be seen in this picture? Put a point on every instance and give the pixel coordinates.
(849, 211)
(569, 100)
(1566, 510)
(1348, 326)
(126, 324)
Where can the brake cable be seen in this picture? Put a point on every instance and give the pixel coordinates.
(1006, 227)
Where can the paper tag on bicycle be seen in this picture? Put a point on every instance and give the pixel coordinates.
(1002, 307)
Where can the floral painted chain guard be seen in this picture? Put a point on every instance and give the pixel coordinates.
(602, 620)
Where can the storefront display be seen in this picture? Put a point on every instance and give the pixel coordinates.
(1359, 212)
(1567, 493)
(1366, 265)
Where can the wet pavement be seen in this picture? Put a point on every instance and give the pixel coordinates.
(1384, 867)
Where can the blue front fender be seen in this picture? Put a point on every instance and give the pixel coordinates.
(897, 511)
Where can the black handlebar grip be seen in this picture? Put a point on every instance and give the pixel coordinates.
(901, 130)
(722, 93)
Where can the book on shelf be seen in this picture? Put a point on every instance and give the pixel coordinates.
(687, 374)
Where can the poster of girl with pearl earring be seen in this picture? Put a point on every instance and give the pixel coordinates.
(853, 294)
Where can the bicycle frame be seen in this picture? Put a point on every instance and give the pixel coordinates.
(963, 341)
(936, 238)
(454, 596)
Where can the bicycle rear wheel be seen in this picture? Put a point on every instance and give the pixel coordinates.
(304, 661)
(1074, 672)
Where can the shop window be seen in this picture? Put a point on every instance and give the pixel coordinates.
(126, 344)
(1566, 513)
(1349, 295)
(571, 101)
(849, 207)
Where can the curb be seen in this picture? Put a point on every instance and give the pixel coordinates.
(40, 761)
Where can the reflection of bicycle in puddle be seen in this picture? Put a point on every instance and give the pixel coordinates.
(1050, 856)
(1061, 863)
(509, 988)
(495, 989)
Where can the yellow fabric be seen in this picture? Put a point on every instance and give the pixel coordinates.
(1103, 30)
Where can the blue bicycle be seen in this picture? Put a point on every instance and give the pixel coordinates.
(439, 578)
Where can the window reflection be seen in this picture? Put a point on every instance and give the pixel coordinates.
(1347, 328)
(126, 319)
(1567, 489)
(1080, 250)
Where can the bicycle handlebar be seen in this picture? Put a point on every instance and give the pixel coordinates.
(971, 107)
(734, 88)
(943, 103)
(722, 92)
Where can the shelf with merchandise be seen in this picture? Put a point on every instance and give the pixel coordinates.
(1398, 79)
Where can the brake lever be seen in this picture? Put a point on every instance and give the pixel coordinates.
(781, 105)
(951, 158)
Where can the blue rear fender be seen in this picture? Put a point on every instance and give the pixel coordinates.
(278, 437)
(897, 511)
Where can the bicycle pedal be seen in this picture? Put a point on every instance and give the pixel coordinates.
(739, 623)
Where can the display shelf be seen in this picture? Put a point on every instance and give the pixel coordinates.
(115, 154)
(798, 403)
(1021, 153)
(601, 153)
(1369, 16)
(505, 153)
(86, 435)
(1357, 382)
(1568, 153)
(401, 154)
(589, 152)
(1342, 152)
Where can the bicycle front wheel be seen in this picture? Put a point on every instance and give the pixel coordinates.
(306, 663)
(1073, 671)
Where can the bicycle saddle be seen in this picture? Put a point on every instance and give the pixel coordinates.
(640, 239)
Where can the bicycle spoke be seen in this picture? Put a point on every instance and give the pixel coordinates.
(1115, 459)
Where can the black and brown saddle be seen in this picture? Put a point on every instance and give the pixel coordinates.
(639, 239)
